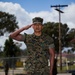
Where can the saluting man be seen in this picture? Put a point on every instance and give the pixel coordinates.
(40, 48)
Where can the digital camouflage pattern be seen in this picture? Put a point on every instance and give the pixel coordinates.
(38, 52)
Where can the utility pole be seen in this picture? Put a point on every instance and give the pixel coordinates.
(57, 8)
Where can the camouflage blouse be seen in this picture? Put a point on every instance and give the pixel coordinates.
(38, 52)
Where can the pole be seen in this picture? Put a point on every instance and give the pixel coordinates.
(60, 49)
(60, 43)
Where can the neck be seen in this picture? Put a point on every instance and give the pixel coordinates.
(37, 33)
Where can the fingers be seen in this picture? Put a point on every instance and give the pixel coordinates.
(30, 25)
(27, 27)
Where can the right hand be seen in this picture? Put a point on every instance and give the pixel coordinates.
(27, 27)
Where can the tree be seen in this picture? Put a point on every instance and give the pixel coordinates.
(52, 29)
(10, 49)
(72, 36)
(7, 23)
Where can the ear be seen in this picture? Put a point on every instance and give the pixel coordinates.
(42, 27)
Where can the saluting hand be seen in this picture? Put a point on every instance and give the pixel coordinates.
(27, 27)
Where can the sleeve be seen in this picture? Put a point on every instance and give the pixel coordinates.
(24, 37)
(51, 44)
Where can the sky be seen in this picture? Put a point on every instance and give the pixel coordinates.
(25, 10)
(39, 5)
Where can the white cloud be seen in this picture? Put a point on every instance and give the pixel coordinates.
(69, 16)
(24, 18)
(53, 16)
(46, 15)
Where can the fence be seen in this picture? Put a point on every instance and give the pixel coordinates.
(17, 65)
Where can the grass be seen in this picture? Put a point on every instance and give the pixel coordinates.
(64, 68)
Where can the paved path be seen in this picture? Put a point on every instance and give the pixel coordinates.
(13, 72)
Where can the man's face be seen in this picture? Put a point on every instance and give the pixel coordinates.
(37, 27)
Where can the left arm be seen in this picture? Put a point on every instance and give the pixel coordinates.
(52, 56)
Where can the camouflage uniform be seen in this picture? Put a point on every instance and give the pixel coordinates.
(38, 53)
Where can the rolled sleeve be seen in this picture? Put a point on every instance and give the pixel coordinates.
(51, 45)
(24, 37)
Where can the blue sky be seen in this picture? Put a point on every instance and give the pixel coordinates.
(25, 10)
(39, 5)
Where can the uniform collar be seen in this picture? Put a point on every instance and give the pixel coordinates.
(36, 36)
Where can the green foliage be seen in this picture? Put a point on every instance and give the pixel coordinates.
(1, 53)
(7, 22)
(10, 49)
(52, 29)
(71, 36)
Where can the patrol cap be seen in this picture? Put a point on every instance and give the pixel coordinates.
(37, 20)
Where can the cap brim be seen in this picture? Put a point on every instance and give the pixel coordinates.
(37, 22)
